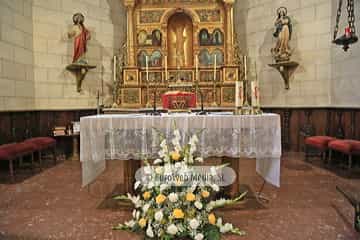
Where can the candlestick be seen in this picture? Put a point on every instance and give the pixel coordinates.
(239, 92)
(147, 68)
(114, 68)
(166, 69)
(196, 67)
(245, 67)
(214, 68)
(214, 104)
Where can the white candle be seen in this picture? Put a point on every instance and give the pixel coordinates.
(255, 94)
(114, 68)
(239, 92)
(245, 67)
(214, 68)
(166, 69)
(196, 68)
(147, 68)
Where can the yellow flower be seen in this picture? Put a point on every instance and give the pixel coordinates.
(160, 199)
(146, 195)
(190, 197)
(178, 213)
(142, 222)
(212, 218)
(205, 194)
(175, 156)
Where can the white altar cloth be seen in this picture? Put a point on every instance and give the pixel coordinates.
(133, 136)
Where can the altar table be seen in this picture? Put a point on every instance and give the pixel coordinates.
(132, 136)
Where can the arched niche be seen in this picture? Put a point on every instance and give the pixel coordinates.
(180, 40)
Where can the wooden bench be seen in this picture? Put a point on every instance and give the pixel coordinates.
(13, 151)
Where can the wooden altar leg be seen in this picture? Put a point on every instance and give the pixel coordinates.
(130, 168)
(233, 189)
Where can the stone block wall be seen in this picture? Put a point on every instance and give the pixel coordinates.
(56, 87)
(16, 55)
(312, 32)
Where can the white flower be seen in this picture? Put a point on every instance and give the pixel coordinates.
(219, 222)
(198, 205)
(135, 200)
(226, 228)
(130, 223)
(157, 161)
(148, 170)
(199, 159)
(136, 214)
(173, 197)
(149, 232)
(137, 184)
(158, 216)
(163, 187)
(215, 187)
(172, 229)
(199, 236)
(194, 139)
(151, 184)
(163, 144)
(145, 208)
(194, 223)
(159, 170)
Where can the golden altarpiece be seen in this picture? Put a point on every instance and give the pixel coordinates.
(179, 45)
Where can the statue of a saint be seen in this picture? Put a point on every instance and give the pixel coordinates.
(283, 32)
(81, 35)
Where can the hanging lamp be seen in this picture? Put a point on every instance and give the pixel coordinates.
(349, 36)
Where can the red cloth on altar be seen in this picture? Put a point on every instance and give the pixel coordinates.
(80, 44)
(171, 100)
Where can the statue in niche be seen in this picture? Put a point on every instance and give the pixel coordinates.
(283, 32)
(81, 36)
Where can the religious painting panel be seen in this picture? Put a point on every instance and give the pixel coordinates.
(204, 37)
(154, 77)
(156, 37)
(183, 76)
(150, 16)
(231, 74)
(147, 40)
(141, 38)
(131, 97)
(228, 96)
(208, 95)
(217, 37)
(155, 59)
(205, 58)
(219, 55)
(142, 59)
(130, 77)
(209, 15)
(207, 76)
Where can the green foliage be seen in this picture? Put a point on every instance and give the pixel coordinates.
(212, 232)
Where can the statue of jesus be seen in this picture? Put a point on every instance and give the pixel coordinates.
(81, 35)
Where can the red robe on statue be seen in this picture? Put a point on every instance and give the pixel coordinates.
(80, 43)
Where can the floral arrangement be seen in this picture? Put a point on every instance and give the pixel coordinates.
(171, 209)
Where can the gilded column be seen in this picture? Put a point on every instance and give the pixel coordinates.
(130, 31)
(229, 30)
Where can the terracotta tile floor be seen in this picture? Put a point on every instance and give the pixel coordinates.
(52, 205)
